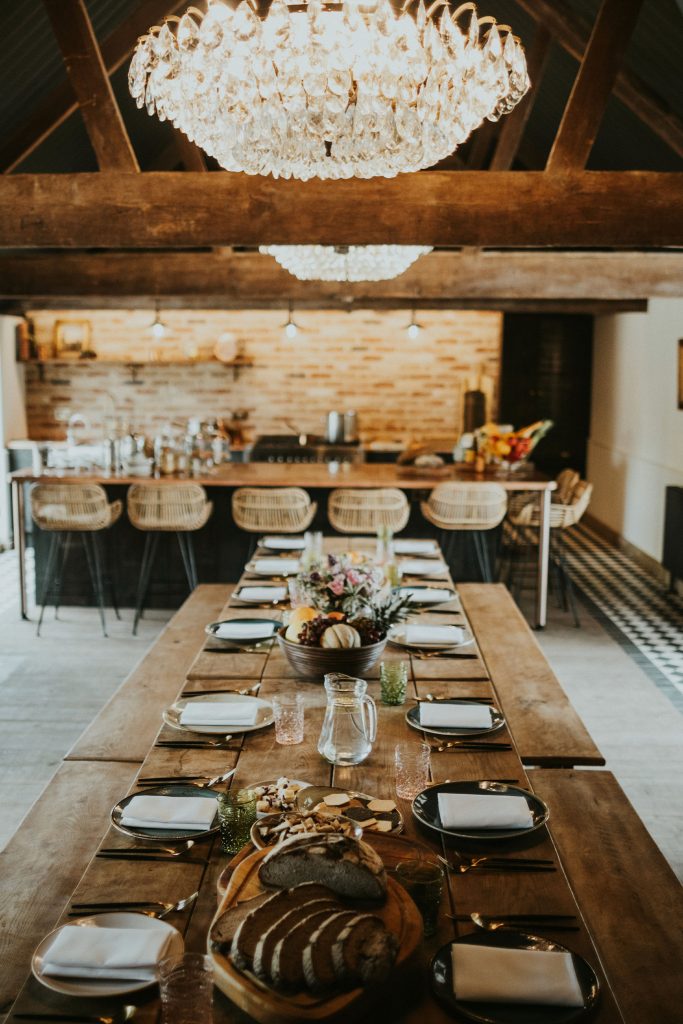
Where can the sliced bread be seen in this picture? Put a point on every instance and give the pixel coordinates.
(224, 927)
(261, 964)
(248, 933)
(317, 963)
(364, 952)
(287, 964)
(348, 866)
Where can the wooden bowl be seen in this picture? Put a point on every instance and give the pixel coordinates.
(314, 662)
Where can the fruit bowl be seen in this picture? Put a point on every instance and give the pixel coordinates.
(314, 662)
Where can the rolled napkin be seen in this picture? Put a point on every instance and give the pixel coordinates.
(422, 567)
(462, 716)
(434, 634)
(414, 547)
(173, 812)
(115, 953)
(262, 594)
(225, 712)
(489, 810)
(275, 566)
(489, 974)
(244, 630)
(425, 595)
(284, 543)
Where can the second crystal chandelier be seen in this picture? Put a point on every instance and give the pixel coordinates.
(329, 91)
(345, 262)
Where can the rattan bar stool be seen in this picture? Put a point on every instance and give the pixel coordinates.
(166, 508)
(273, 509)
(68, 511)
(562, 517)
(470, 508)
(365, 511)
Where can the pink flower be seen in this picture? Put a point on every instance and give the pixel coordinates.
(354, 577)
(337, 585)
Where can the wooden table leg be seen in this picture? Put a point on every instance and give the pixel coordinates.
(543, 559)
(18, 516)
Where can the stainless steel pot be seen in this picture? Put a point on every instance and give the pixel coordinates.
(334, 428)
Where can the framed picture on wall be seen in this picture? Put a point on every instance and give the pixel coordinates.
(72, 339)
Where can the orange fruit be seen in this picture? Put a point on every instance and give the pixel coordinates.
(336, 615)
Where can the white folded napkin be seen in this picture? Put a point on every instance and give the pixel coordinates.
(131, 954)
(173, 812)
(225, 712)
(462, 716)
(434, 635)
(243, 630)
(490, 974)
(490, 810)
(275, 566)
(284, 543)
(427, 595)
(262, 594)
(422, 567)
(414, 547)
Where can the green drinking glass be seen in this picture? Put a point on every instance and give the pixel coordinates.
(236, 815)
(393, 681)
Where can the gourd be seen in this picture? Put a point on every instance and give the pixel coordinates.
(340, 636)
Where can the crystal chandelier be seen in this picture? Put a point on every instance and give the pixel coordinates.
(341, 90)
(345, 262)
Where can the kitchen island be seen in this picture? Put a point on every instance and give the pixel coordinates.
(222, 547)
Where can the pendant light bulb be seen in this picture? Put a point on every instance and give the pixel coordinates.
(413, 330)
(158, 327)
(291, 327)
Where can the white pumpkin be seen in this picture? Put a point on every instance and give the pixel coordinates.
(340, 635)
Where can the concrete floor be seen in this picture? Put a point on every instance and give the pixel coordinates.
(52, 687)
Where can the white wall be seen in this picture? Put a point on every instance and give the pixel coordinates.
(636, 440)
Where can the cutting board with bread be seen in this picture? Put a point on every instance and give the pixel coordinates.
(311, 930)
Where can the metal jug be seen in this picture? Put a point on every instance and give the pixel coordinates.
(350, 723)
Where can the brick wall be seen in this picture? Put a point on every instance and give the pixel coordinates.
(361, 360)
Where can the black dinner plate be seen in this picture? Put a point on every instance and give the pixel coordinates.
(441, 980)
(446, 731)
(171, 835)
(426, 810)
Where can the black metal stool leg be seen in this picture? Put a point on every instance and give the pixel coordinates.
(189, 541)
(182, 544)
(477, 544)
(65, 544)
(47, 579)
(95, 569)
(107, 574)
(151, 541)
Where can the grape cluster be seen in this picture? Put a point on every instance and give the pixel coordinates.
(311, 632)
(369, 633)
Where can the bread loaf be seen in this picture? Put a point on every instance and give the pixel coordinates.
(286, 963)
(224, 927)
(266, 944)
(248, 933)
(317, 963)
(347, 866)
(364, 952)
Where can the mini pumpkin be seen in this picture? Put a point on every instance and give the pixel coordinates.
(340, 635)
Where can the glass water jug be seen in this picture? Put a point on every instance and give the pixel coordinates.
(350, 724)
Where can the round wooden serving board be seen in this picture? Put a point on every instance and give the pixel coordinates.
(268, 1006)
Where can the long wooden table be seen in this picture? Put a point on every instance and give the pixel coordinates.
(258, 757)
(314, 476)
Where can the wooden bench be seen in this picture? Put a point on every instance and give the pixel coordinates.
(45, 859)
(153, 683)
(547, 730)
(629, 896)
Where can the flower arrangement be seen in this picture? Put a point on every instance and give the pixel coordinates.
(498, 443)
(341, 584)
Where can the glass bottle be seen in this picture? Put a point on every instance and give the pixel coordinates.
(350, 723)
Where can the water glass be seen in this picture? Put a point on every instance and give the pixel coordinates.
(289, 719)
(236, 815)
(186, 986)
(413, 765)
(423, 879)
(393, 681)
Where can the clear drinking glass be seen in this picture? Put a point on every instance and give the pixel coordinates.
(186, 986)
(393, 681)
(412, 768)
(289, 719)
(423, 879)
(236, 815)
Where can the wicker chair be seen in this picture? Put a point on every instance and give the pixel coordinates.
(562, 517)
(273, 509)
(472, 508)
(166, 508)
(68, 511)
(364, 511)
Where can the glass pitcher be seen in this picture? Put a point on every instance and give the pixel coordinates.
(350, 724)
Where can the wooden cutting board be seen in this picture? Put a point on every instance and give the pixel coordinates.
(264, 1004)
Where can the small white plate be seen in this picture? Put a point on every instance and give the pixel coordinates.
(422, 567)
(99, 987)
(397, 636)
(264, 718)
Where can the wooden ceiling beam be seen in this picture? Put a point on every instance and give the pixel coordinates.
(572, 33)
(62, 102)
(249, 279)
(593, 85)
(514, 123)
(88, 76)
(637, 209)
